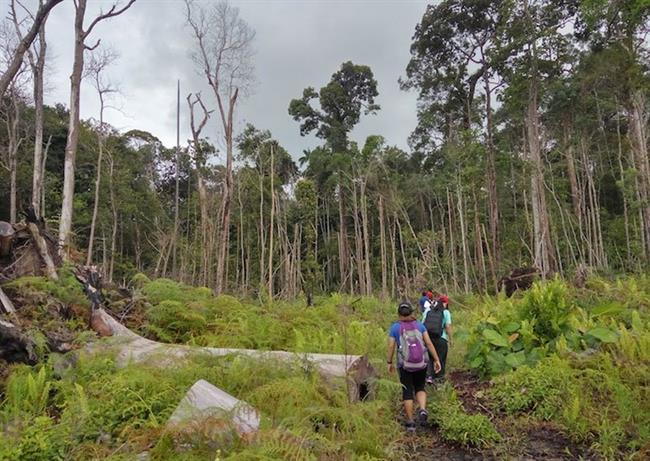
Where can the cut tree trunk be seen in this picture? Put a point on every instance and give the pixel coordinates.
(355, 369)
(6, 238)
(201, 413)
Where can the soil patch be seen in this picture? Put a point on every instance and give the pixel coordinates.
(529, 440)
(471, 391)
(428, 444)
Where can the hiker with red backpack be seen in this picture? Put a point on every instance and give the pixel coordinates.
(437, 320)
(410, 338)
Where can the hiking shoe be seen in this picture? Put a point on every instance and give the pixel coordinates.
(423, 417)
(410, 426)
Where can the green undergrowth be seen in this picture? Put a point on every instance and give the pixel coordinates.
(46, 304)
(469, 430)
(336, 324)
(578, 358)
(95, 410)
(586, 366)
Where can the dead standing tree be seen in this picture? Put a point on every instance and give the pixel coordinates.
(224, 55)
(95, 71)
(199, 157)
(12, 103)
(80, 46)
(36, 57)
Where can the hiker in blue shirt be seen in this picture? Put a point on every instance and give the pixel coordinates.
(411, 340)
(437, 320)
(427, 296)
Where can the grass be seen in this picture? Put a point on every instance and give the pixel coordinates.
(586, 369)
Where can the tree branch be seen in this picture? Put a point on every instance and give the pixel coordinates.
(111, 13)
(25, 43)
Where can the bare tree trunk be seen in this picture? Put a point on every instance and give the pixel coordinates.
(623, 186)
(493, 196)
(42, 194)
(111, 187)
(366, 237)
(343, 247)
(463, 236)
(393, 259)
(13, 186)
(544, 252)
(452, 244)
(358, 245)
(382, 243)
(177, 167)
(637, 133)
(37, 64)
(270, 274)
(65, 224)
(14, 141)
(98, 178)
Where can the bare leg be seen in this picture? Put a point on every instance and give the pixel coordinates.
(421, 397)
(408, 409)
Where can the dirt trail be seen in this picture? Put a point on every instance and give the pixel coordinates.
(523, 440)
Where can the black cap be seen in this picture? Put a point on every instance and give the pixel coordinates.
(404, 309)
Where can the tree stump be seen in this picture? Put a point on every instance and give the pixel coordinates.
(7, 233)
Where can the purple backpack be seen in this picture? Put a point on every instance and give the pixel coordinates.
(412, 352)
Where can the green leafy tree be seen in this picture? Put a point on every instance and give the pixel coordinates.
(350, 92)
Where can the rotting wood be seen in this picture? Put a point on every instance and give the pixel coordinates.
(355, 369)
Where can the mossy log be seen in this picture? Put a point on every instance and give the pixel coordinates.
(354, 369)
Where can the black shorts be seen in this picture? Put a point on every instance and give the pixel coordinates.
(412, 382)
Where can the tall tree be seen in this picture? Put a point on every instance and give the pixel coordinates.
(224, 55)
(81, 35)
(533, 46)
(452, 57)
(36, 56)
(351, 90)
(95, 70)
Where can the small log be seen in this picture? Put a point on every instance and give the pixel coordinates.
(6, 304)
(355, 369)
(7, 233)
(204, 409)
(41, 245)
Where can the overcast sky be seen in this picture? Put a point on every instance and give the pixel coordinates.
(298, 43)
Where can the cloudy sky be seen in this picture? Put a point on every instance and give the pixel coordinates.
(298, 43)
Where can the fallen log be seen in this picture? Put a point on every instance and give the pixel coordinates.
(207, 411)
(354, 369)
